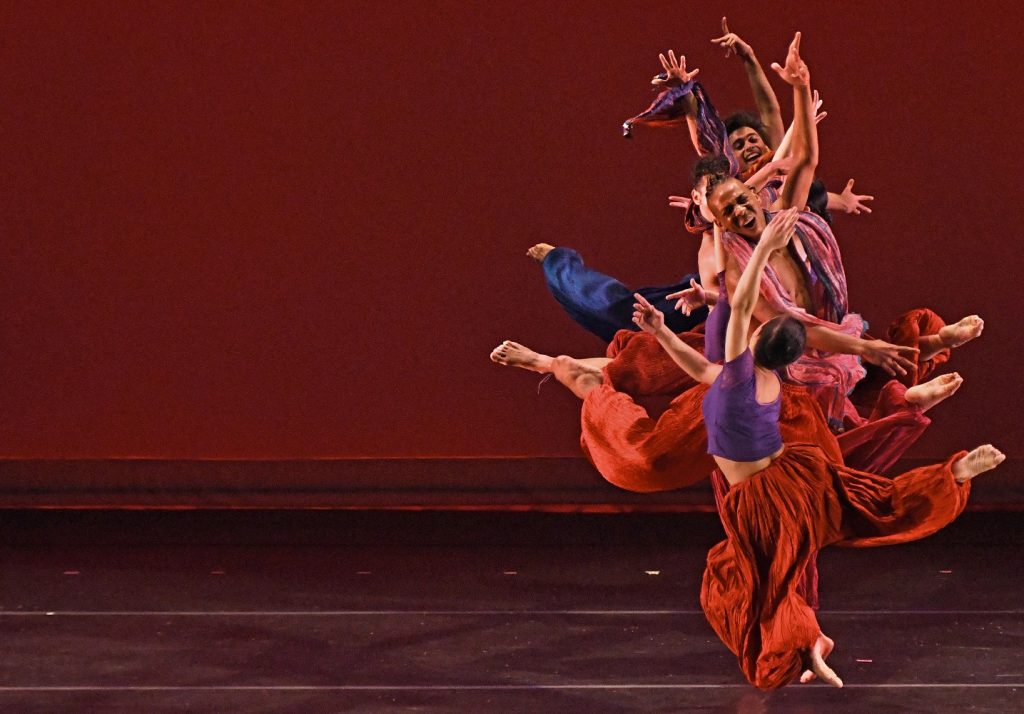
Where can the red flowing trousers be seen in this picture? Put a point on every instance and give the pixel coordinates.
(637, 453)
(778, 519)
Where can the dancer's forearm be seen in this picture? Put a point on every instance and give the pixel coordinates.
(828, 340)
(743, 301)
(764, 97)
(689, 360)
(748, 287)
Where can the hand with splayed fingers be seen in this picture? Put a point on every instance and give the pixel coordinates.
(779, 230)
(897, 360)
(851, 202)
(795, 71)
(691, 299)
(816, 102)
(647, 317)
(732, 43)
(675, 71)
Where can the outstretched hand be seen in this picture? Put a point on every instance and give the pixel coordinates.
(646, 316)
(779, 230)
(732, 43)
(681, 202)
(816, 102)
(795, 71)
(675, 71)
(852, 202)
(894, 359)
(690, 299)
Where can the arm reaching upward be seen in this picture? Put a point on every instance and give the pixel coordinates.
(764, 97)
(805, 133)
(776, 235)
(787, 141)
(676, 75)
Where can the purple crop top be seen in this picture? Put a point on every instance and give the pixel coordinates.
(714, 326)
(740, 427)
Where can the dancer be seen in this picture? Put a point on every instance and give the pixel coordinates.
(641, 454)
(602, 304)
(808, 282)
(788, 500)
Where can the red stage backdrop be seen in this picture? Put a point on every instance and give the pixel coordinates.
(269, 230)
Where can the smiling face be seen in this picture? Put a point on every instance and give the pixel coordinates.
(747, 145)
(736, 208)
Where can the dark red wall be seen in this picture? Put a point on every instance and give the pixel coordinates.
(291, 230)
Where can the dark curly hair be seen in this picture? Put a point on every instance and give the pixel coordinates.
(716, 180)
(781, 342)
(817, 200)
(710, 165)
(742, 119)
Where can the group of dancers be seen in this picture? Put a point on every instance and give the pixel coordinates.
(777, 392)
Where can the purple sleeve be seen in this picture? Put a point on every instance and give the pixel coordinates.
(738, 371)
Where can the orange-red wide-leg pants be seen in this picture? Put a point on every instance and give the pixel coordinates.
(776, 520)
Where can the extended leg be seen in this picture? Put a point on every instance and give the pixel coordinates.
(578, 376)
(600, 303)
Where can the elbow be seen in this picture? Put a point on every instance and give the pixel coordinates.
(707, 376)
(741, 309)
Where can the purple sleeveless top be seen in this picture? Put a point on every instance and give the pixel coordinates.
(714, 326)
(740, 427)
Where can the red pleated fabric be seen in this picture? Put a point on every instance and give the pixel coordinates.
(778, 519)
(906, 330)
(878, 442)
(641, 367)
(637, 453)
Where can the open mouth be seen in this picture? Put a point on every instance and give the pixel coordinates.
(751, 155)
(748, 224)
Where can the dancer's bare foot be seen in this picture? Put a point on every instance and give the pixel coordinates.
(513, 354)
(809, 675)
(932, 392)
(816, 663)
(540, 251)
(982, 459)
(960, 333)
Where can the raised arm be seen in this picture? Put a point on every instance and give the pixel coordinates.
(744, 299)
(675, 75)
(651, 320)
(805, 134)
(682, 93)
(764, 96)
(786, 144)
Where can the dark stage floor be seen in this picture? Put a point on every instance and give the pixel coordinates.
(477, 612)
